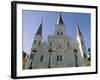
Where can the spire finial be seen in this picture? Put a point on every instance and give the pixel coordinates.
(78, 30)
(60, 21)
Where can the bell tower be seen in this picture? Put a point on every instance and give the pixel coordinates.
(59, 29)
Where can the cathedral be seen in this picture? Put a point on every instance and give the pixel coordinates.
(58, 51)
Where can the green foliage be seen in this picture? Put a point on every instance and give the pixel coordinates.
(88, 63)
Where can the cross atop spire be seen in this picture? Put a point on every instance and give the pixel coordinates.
(60, 21)
(39, 31)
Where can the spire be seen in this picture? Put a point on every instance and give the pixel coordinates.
(78, 31)
(60, 21)
(39, 31)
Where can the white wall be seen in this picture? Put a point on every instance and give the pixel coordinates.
(5, 40)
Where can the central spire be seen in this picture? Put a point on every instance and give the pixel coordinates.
(60, 21)
(39, 31)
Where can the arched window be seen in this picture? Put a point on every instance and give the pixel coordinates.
(68, 44)
(34, 41)
(50, 44)
(41, 58)
(59, 58)
(61, 33)
(39, 42)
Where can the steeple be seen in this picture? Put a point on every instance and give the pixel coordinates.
(81, 43)
(78, 31)
(59, 29)
(39, 31)
(60, 21)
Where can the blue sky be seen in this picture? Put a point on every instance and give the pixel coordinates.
(32, 20)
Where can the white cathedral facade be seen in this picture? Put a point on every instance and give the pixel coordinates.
(58, 51)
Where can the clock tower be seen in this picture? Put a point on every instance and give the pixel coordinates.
(59, 29)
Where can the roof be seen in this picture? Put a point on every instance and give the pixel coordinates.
(39, 31)
(60, 21)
